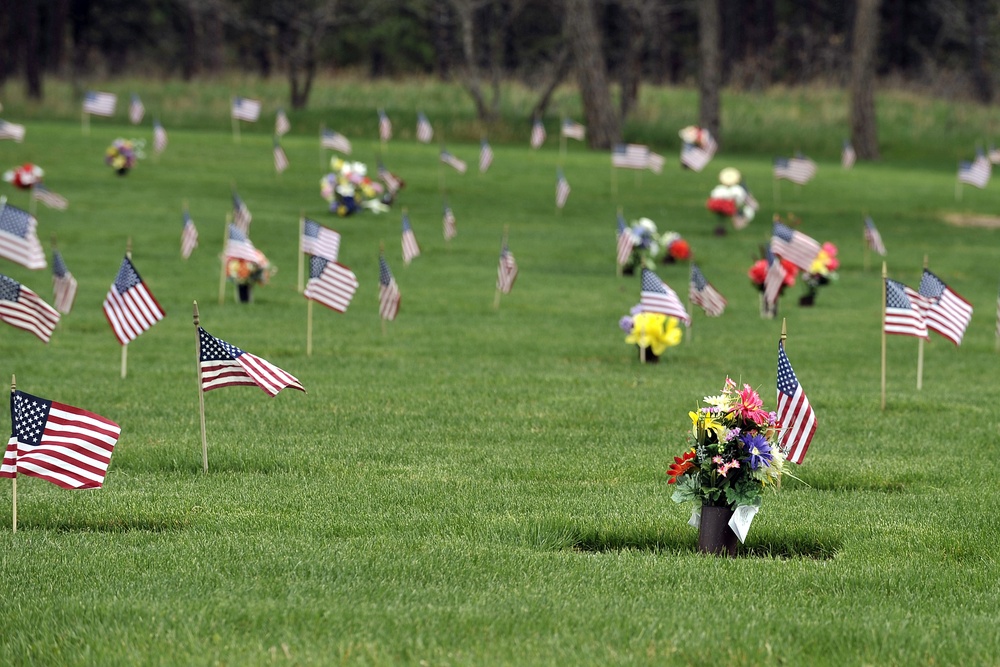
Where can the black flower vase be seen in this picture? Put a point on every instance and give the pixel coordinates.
(650, 358)
(714, 534)
(808, 299)
(244, 292)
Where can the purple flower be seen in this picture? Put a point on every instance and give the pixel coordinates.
(626, 323)
(758, 450)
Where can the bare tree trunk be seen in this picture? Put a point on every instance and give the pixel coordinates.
(30, 53)
(978, 64)
(470, 71)
(603, 124)
(58, 18)
(864, 124)
(709, 66)
(309, 27)
(559, 73)
(638, 14)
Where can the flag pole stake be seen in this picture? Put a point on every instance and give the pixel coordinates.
(309, 328)
(236, 129)
(884, 276)
(13, 502)
(302, 230)
(124, 370)
(920, 353)
(222, 263)
(201, 393)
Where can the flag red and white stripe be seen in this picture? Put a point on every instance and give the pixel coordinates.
(222, 364)
(280, 159)
(795, 415)
(977, 172)
(189, 236)
(798, 248)
(424, 130)
(696, 157)
(51, 199)
(799, 170)
(506, 270)
(129, 306)
(159, 137)
(335, 141)
(573, 130)
(13, 131)
(655, 162)
(136, 110)
(330, 283)
(947, 313)
(281, 124)
(630, 156)
(63, 284)
(847, 156)
(701, 293)
(409, 241)
(453, 162)
(18, 240)
(59, 443)
(99, 104)
(384, 126)
(904, 311)
(388, 291)
(448, 221)
(625, 242)
(22, 308)
(537, 134)
(657, 297)
(562, 190)
(485, 156)
(319, 241)
(244, 109)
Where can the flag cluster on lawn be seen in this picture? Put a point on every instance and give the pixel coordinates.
(388, 291)
(18, 239)
(904, 311)
(701, 293)
(795, 414)
(13, 131)
(796, 247)
(281, 124)
(59, 443)
(159, 137)
(51, 199)
(799, 170)
(946, 312)
(657, 297)
(424, 130)
(99, 104)
(976, 173)
(873, 238)
(136, 110)
(562, 189)
(485, 156)
(409, 241)
(330, 283)
(506, 270)
(129, 306)
(225, 365)
(335, 141)
(63, 284)
(245, 109)
(22, 308)
(537, 134)
(189, 236)
(453, 162)
(319, 241)
(384, 126)
(573, 130)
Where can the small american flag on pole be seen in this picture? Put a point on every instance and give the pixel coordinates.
(22, 308)
(424, 130)
(453, 162)
(59, 443)
(448, 222)
(795, 414)
(245, 109)
(319, 241)
(562, 189)
(222, 364)
(384, 126)
(630, 156)
(136, 110)
(18, 240)
(189, 236)
(656, 297)
(701, 293)
(798, 170)
(388, 291)
(655, 162)
(391, 182)
(330, 284)
(847, 155)
(409, 241)
(51, 199)
(159, 137)
(12, 131)
(239, 246)
(774, 279)
(241, 214)
(947, 313)
(129, 306)
(873, 238)
(485, 156)
(537, 134)
(506, 270)
(281, 124)
(335, 141)
(99, 104)
(796, 247)
(904, 311)
(573, 130)
(976, 173)
(280, 159)
(625, 241)
(63, 284)
(696, 157)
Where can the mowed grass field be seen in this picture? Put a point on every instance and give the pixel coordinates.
(477, 486)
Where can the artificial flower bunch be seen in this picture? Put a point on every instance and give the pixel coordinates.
(733, 456)
(650, 247)
(245, 272)
(731, 199)
(652, 332)
(122, 154)
(349, 189)
(821, 272)
(24, 177)
(758, 273)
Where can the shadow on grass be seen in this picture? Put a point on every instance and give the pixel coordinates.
(105, 524)
(833, 481)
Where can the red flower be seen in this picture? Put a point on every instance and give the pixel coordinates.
(790, 272)
(758, 272)
(680, 466)
(680, 249)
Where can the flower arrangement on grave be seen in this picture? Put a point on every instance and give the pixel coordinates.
(349, 189)
(732, 458)
(822, 271)
(731, 200)
(653, 333)
(244, 272)
(758, 273)
(123, 154)
(24, 177)
(650, 247)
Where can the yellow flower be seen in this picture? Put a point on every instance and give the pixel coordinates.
(655, 331)
(819, 265)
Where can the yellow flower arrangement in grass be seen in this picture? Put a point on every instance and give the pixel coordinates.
(651, 330)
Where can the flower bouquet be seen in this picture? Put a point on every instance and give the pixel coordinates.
(731, 199)
(24, 177)
(650, 247)
(122, 155)
(758, 278)
(821, 272)
(246, 274)
(349, 189)
(732, 459)
(653, 333)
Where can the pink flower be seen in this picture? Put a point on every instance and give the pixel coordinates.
(750, 406)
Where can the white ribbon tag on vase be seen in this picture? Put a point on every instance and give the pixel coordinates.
(741, 519)
(695, 520)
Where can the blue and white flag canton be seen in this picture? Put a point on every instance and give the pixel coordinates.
(947, 313)
(656, 297)
(223, 364)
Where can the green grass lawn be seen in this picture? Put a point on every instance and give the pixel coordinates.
(480, 486)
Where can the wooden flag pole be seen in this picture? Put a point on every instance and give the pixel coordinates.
(32, 204)
(781, 339)
(618, 267)
(867, 250)
(13, 503)
(128, 253)
(562, 147)
(222, 262)
(236, 128)
(381, 253)
(201, 392)
(920, 353)
(691, 304)
(884, 276)
(614, 182)
(302, 231)
(309, 327)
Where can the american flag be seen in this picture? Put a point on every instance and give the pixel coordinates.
(63, 284)
(537, 134)
(384, 126)
(847, 155)
(390, 181)
(280, 159)
(485, 156)
(774, 279)
(656, 297)
(330, 283)
(388, 291)
(335, 141)
(904, 310)
(136, 110)
(99, 104)
(799, 170)
(409, 241)
(625, 241)
(222, 364)
(239, 246)
(701, 293)
(947, 313)
(281, 124)
(67, 446)
(562, 189)
(129, 306)
(18, 240)
(873, 238)
(630, 156)
(424, 130)
(22, 308)
(696, 157)
(241, 214)
(977, 172)
(573, 130)
(189, 236)
(794, 246)
(11, 131)
(51, 199)
(994, 155)
(244, 109)
(506, 270)
(319, 241)
(449, 223)
(453, 162)
(795, 415)
(655, 162)
(159, 137)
